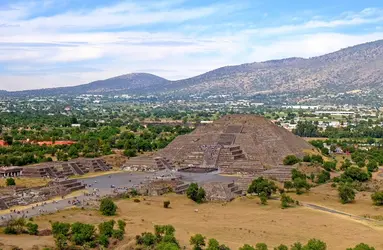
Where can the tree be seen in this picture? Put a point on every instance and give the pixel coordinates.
(300, 184)
(281, 247)
(329, 165)
(297, 246)
(121, 225)
(290, 160)
(286, 201)
(82, 233)
(130, 152)
(261, 246)
(346, 193)
(317, 158)
(106, 228)
(346, 164)
(325, 151)
(103, 240)
(355, 174)
(10, 182)
(263, 198)
(372, 166)
(323, 177)
(166, 204)
(198, 241)
(32, 228)
(195, 193)
(315, 244)
(377, 198)
(61, 241)
(59, 228)
(108, 207)
(361, 246)
(306, 129)
(306, 158)
(247, 247)
(261, 185)
(288, 185)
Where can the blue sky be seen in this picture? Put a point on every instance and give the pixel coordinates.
(51, 43)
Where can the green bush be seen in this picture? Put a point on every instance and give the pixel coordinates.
(106, 228)
(361, 246)
(323, 177)
(329, 165)
(10, 182)
(118, 234)
(103, 240)
(377, 198)
(196, 193)
(166, 204)
(32, 228)
(59, 228)
(346, 193)
(290, 160)
(108, 207)
(286, 201)
(261, 185)
(372, 166)
(307, 158)
(121, 225)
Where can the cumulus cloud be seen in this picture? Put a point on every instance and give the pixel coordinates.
(169, 38)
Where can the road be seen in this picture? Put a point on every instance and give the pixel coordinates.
(101, 186)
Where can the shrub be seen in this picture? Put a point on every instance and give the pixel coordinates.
(263, 198)
(323, 177)
(346, 193)
(59, 228)
(300, 185)
(354, 174)
(32, 228)
(10, 182)
(372, 166)
(261, 246)
(166, 204)
(290, 160)
(118, 234)
(297, 174)
(121, 225)
(261, 185)
(82, 233)
(288, 185)
(307, 158)
(10, 230)
(146, 239)
(247, 247)
(325, 151)
(329, 165)
(106, 228)
(103, 240)
(196, 193)
(346, 164)
(281, 247)
(361, 246)
(108, 207)
(198, 241)
(137, 200)
(315, 244)
(61, 241)
(377, 198)
(317, 158)
(286, 201)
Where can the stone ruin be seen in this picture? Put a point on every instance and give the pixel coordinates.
(18, 196)
(248, 145)
(218, 191)
(79, 166)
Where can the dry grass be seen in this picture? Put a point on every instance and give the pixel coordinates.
(241, 221)
(27, 182)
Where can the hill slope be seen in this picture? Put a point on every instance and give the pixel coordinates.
(357, 67)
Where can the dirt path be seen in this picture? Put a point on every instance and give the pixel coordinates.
(336, 212)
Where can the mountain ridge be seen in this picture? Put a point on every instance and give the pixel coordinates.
(355, 67)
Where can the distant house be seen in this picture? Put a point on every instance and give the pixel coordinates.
(3, 143)
(76, 125)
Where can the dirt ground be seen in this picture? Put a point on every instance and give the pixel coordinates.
(241, 221)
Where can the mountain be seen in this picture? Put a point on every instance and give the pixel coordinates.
(357, 67)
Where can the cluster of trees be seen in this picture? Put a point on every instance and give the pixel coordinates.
(362, 130)
(163, 238)
(299, 182)
(21, 226)
(89, 143)
(81, 234)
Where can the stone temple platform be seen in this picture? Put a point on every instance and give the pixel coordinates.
(235, 144)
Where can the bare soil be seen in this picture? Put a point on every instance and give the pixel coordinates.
(241, 221)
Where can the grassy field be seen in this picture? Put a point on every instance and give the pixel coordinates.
(27, 182)
(241, 221)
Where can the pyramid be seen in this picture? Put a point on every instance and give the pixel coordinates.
(236, 144)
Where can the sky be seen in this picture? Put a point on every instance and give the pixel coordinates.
(54, 43)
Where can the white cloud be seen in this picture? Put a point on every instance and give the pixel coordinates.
(30, 47)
